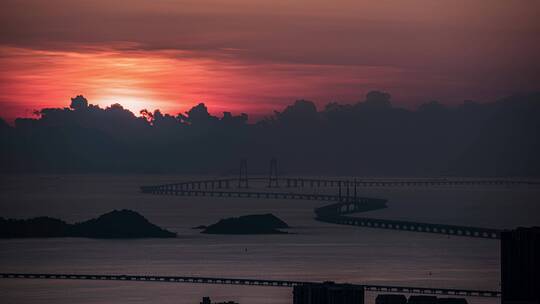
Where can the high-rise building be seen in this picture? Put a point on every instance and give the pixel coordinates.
(328, 293)
(520, 266)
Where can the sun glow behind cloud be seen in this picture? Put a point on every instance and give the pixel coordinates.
(170, 80)
(47, 78)
(241, 55)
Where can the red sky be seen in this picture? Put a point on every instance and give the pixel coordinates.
(258, 56)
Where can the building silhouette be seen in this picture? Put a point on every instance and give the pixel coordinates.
(520, 266)
(416, 299)
(391, 299)
(422, 300)
(328, 293)
(451, 301)
(206, 300)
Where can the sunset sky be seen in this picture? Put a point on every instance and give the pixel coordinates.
(258, 56)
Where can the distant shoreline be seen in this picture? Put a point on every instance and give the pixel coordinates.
(123, 224)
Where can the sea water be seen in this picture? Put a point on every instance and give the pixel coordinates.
(313, 251)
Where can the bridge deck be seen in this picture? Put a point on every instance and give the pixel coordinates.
(251, 194)
(238, 281)
(296, 182)
(337, 214)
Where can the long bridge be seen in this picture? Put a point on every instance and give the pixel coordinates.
(346, 201)
(243, 281)
(337, 214)
(299, 182)
(249, 194)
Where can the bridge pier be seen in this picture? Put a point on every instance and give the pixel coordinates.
(355, 196)
(243, 177)
(273, 181)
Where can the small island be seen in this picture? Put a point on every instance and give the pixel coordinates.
(115, 224)
(247, 224)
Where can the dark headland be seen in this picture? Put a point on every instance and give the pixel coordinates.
(115, 224)
(247, 224)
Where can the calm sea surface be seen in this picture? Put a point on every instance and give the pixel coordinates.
(313, 252)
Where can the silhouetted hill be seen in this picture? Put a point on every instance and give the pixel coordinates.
(33, 228)
(368, 138)
(248, 224)
(115, 224)
(119, 224)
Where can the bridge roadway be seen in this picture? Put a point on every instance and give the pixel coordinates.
(296, 182)
(248, 194)
(251, 282)
(335, 213)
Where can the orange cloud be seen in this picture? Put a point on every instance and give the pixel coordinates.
(257, 56)
(170, 80)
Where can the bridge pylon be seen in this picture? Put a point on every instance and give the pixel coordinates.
(243, 177)
(273, 177)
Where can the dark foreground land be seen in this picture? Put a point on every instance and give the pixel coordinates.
(247, 224)
(115, 224)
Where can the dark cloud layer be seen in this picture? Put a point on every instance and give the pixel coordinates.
(367, 138)
(420, 33)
